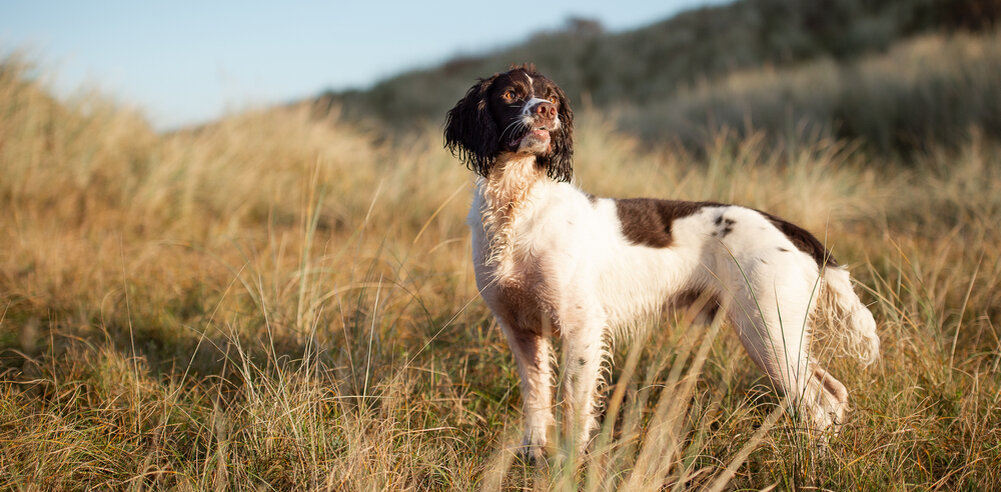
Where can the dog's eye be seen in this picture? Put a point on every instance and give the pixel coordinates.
(510, 95)
(554, 99)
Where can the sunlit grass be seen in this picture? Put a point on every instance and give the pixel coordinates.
(282, 302)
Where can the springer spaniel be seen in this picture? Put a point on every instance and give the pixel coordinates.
(551, 260)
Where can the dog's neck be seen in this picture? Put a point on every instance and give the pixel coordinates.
(505, 191)
(510, 180)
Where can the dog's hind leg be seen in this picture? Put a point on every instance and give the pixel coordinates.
(533, 353)
(771, 313)
(830, 397)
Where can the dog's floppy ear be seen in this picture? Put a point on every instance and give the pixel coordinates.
(470, 131)
(559, 162)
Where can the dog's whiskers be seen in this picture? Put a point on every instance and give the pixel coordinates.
(520, 123)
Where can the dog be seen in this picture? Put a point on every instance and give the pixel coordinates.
(552, 260)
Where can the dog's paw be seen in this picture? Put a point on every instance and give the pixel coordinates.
(533, 454)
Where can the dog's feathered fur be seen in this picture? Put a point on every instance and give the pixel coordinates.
(552, 260)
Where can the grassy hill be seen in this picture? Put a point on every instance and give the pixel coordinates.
(282, 302)
(642, 75)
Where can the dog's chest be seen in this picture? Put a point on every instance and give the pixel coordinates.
(521, 252)
(519, 287)
(516, 281)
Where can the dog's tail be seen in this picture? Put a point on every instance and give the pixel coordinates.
(848, 316)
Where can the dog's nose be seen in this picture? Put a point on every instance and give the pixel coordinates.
(546, 110)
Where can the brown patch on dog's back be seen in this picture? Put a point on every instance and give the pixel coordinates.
(647, 221)
(803, 240)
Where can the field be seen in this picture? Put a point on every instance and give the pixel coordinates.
(281, 302)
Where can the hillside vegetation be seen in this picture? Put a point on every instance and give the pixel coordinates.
(284, 302)
(925, 92)
(689, 77)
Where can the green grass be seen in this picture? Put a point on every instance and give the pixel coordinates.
(278, 302)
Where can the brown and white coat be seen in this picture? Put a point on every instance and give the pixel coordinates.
(553, 261)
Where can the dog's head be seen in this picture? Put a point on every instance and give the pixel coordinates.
(519, 111)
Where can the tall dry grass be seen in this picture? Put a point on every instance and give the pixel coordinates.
(286, 303)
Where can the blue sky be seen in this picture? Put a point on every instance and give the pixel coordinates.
(186, 62)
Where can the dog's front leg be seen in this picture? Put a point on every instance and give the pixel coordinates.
(532, 353)
(583, 348)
